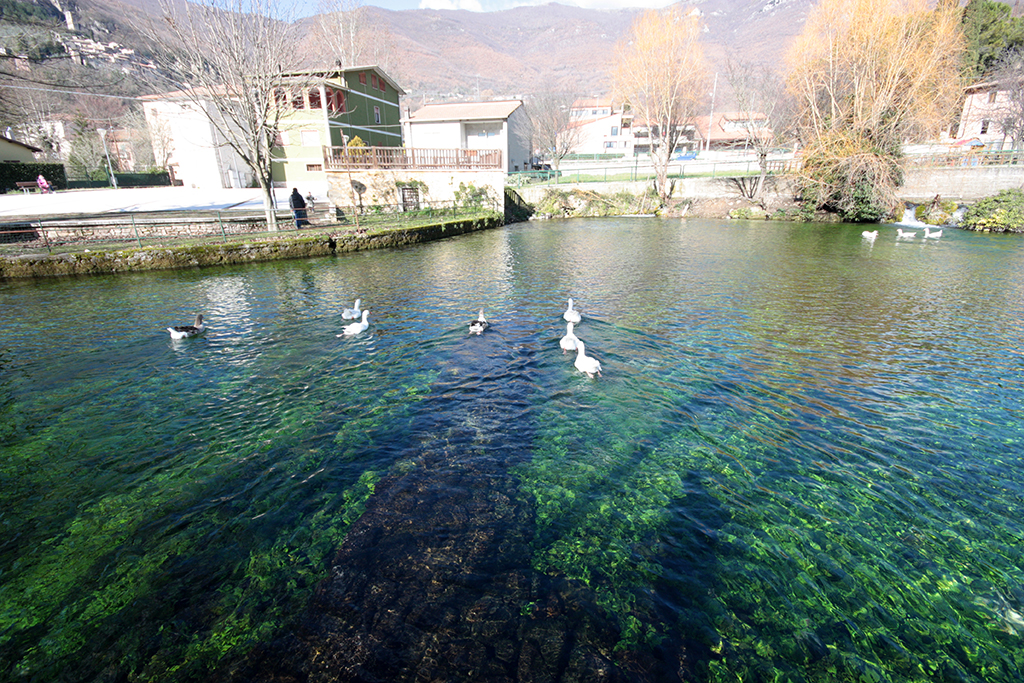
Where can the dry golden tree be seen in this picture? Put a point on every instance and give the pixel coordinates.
(662, 76)
(869, 76)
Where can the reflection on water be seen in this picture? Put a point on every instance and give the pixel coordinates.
(802, 462)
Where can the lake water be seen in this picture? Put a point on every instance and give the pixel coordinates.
(802, 462)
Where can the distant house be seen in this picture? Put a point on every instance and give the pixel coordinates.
(981, 114)
(324, 109)
(14, 152)
(730, 130)
(360, 101)
(195, 153)
(603, 129)
(471, 126)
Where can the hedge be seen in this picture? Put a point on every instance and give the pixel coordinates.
(10, 174)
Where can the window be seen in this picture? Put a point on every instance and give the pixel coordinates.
(615, 131)
(362, 77)
(310, 138)
(336, 100)
(298, 102)
(992, 97)
(314, 167)
(314, 99)
(609, 145)
(984, 126)
(383, 88)
(373, 81)
(376, 114)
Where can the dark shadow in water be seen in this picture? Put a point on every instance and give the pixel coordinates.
(433, 582)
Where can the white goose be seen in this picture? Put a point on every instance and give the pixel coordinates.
(185, 331)
(355, 328)
(933, 234)
(568, 342)
(571, 315)
(869, 235)
(352, 313)
(905, 234)
(584, 363)
(479, 325)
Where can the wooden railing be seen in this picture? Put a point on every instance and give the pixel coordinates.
(362, 158)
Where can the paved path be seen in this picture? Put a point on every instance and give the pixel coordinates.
(74, 202)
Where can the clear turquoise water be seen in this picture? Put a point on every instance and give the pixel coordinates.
(804, 458)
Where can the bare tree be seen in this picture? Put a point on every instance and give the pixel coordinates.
(552, 126)
(235, 61)
(344, 31)
(869, 75)
(1009, 74)
(760, 94)
(662, 76)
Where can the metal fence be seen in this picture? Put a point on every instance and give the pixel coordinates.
(730, 168)
(185, 228)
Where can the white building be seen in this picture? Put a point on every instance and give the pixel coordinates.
(602, 129)
(983, 107)
(196, 154)
(471, 125)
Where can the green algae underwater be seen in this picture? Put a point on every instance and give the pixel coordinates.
(802, 463)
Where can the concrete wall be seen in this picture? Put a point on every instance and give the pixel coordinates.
(967, 184)
(381, 186)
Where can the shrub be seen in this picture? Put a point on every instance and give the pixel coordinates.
(1001, 213)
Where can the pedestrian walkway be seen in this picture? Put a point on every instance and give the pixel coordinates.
(78, 202)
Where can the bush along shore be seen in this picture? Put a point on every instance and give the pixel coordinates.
(285, 246)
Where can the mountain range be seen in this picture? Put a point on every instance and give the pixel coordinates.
(440, 55)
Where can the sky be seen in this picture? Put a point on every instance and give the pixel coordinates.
(493, 5)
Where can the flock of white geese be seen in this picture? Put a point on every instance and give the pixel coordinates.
(902, 234)
(588, 365)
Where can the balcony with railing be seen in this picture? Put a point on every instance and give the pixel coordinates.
(404, 158)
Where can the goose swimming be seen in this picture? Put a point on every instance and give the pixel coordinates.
(185, 331)
(932, 234)
(584, 363)
(479, 325)
(352, 313)
(355, 328)
(568, 342)
(571, 315)
(869, 235)
(905, 234)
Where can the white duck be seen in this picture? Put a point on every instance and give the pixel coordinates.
(479, 325)
(355, 328)
(568, 342)
(352, 313)
(571, 315)
(933, 234)
(185, 331)
(869, 235)
(584, 363)
(905, 234)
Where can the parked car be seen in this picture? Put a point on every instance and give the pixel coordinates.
(686, 156)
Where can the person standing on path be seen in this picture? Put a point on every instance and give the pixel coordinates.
(298, 206)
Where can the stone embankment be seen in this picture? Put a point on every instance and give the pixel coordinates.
(89, 262)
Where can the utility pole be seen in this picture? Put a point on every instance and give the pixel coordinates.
(110, 170)
(711, 114)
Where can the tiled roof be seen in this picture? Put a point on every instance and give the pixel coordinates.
(466, 111)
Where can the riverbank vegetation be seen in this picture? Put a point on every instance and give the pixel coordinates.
(1001, 213)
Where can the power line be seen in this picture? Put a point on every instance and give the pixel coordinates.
(69, 92)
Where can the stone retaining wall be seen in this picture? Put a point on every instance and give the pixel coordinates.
(289, 247)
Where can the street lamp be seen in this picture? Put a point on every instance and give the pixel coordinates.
(110, 170)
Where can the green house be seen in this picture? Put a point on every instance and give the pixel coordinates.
(328, 109)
